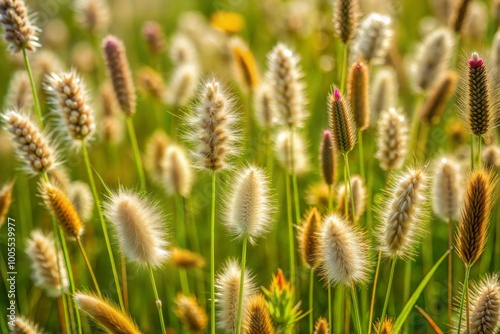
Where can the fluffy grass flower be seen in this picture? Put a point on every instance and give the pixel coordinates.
(184, 258)
(19, 95)
(321, 326)
(183, 83)
(23, 325)
(435, 104)
(392, 139)
(283, 148)
(20, 33)
(346, 15)
(308, 238)
(328, 157)
(264, 105)
(156, 148)
(358, 199)
(258, 320)
(5, 200)
(81, 197)
(485, 306)
(139, 227)
(373, 38)
(192, 316)
(446, 191)
(93, 15)
(177, 173)
(341, 122)
(383, 92)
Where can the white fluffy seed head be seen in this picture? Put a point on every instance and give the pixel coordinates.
(358, 196)
(227, 294)
(213, 128)
(139, 227)
(81, 197)
(446, 191)
(183, 83)
(23, 325)
(288, 91)
(373, 38)
(433, 58)
(177, 173)
(392, 139)
(19, 96)
(485, 306)
(343, 252)
(93, 15)
(383, 92)
(402, 216)
(283, 148)
(248, 208)
(264, 105)
(182, 50)
(47, 274)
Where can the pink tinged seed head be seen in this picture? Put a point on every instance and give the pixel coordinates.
(475, 61)
(336, 95)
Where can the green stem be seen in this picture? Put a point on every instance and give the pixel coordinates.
(354, 296)
(104, 228)
(415, 124)
(212, 258)
(407, 286)
(184, 281)
(242, 281)
(479, 143)
(466, 286)
(387, 294)
(311, 300)
(181, 229)
(330, 324)
(472, 157)
(294, 177)
(89, 267)
(361, 155)
(123, 270)
(290, 229)
(137, 153)
(351, 195)
(450, 272)
(374, 292)
(157, 298)
(339, 308)
(330, 197)
(344, 69)
(36, 101)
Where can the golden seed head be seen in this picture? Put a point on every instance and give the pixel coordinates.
(184, 258)
(308, 238)
(341, 123)
(151, 83)
(343, 252)
(191, 315)
(44, 264)
(5, 200)
(244, 64)
(287, 87)
(446, 191)
(387, 326)
(23, 325)
(485, 306)
(373, 38)
(321, 326)
(107, 315)
(346, 14)
(318, 195)
(392, 139)
(435, 104)
(358, 195)
(20, 33)
(32, 146)
(19, 96)
(139, 227)
(402, 217)
(328, 158)
(474, 217)
(119, 71)
(358, 94)
(62, 208)
(257, 317)
(69, 97)
(156, 147)
(93, 15)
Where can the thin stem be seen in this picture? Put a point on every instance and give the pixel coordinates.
(212, 258)
(361, 155)
(415, 123)
(181, 229)
(472, 156)
(467, 305)
(354, 296)
(387, 294)
(344, 68)
(62, 317)
(123, 269)
(184, 281)
(104, 228)
(450, 272)
(330, 324)
(137, 153)
(242, 281)
(339, 308)
(466, 285)
(157, 298)
(311, 299)
(479, 143)
(290, 229)
(294, 177)
(374, 292)
(407, 286)
(36, 101)
(351, 195)
(89, 267)
(330, 197)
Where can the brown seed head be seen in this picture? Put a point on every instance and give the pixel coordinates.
(346, 15)
(156, 147)
(328, 158)
(154, 37)
(258, 320)
(459, 13)
(19, 32)
(119, 71)
(244, 64)
(321, 326)
(184, 258)
(341, 123)
(5, 200)
(151, 83)
(478, 113)
(474, 219)
(107, 315)
(358, 94)
(191, 315)
(308, 238)
(392, 139)
(435, 104)
(60, 205)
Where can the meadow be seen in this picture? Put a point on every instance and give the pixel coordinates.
(242, 166)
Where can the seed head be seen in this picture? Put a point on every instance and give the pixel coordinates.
(288, 90)
(19, 96)
(227, 295)
(182, 50)
(111, 122)
(474, 220)
(177, 173)
(139, 227)
(47, 274)
(308, 238)
(20, 33)
(343, 252)
(60, 206)
(23, 325)
(213, 128)
(318, 195)
(244, 64)
(387, 326)
(192, 316)
(151, 83)
(183, 84)
(358, 195)
(433, 57)
(402, 217)
(81, 197)
(446, 191)
(392, 139)
(346, 15)
(491, 157)
(5, 200)
(373, 38)
(459, 13)
(93, 15)
(156, 148)
(119, 71)
(328, 158)
(183, 258)
(358, 94)
(384, 92)
(321, 326)
(32, 146)
(435, 104)
(485, 306)
(69, 97)
(341, 123)
(107, 315)
(257, 318)
(283, 148)
(264, 105)
(154, 37)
